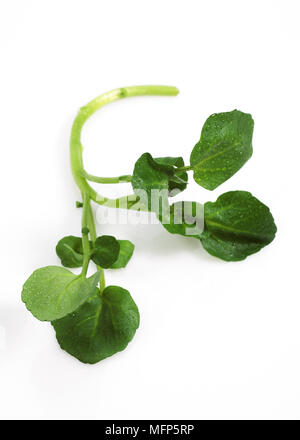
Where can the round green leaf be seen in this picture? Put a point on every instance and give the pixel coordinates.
(52, 292)
(69, 250)
(147, 176)
(157, 174)
(224, 147)
(236, 225)
(106, 251)
(101, 327)
(126, 251)
(179, 180)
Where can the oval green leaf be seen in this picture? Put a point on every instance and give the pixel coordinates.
(126, 251)
(101, 327)
(52, 292)
(106, 251)
(224, 147)
(236, 225)
(69, 250)
(157, 174)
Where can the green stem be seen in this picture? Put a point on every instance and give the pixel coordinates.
(127, 202)
(187, 168)
(102, 281)
(82, 116)
(120, 179)
(93, 235)
(91, 224)
(85, 235)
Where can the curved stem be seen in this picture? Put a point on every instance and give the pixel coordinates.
(82, 116)
(80, 175)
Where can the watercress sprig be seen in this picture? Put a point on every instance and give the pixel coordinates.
(93, 321)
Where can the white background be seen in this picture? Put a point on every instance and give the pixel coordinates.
(217, 340)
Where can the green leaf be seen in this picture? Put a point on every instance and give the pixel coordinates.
(178, 181)
(106, 251)
(157, 174)
(69, 250)
(224, 147)
(126, 251)
(236, 225)
(186, 218)
(101, 327)
(52, 292)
